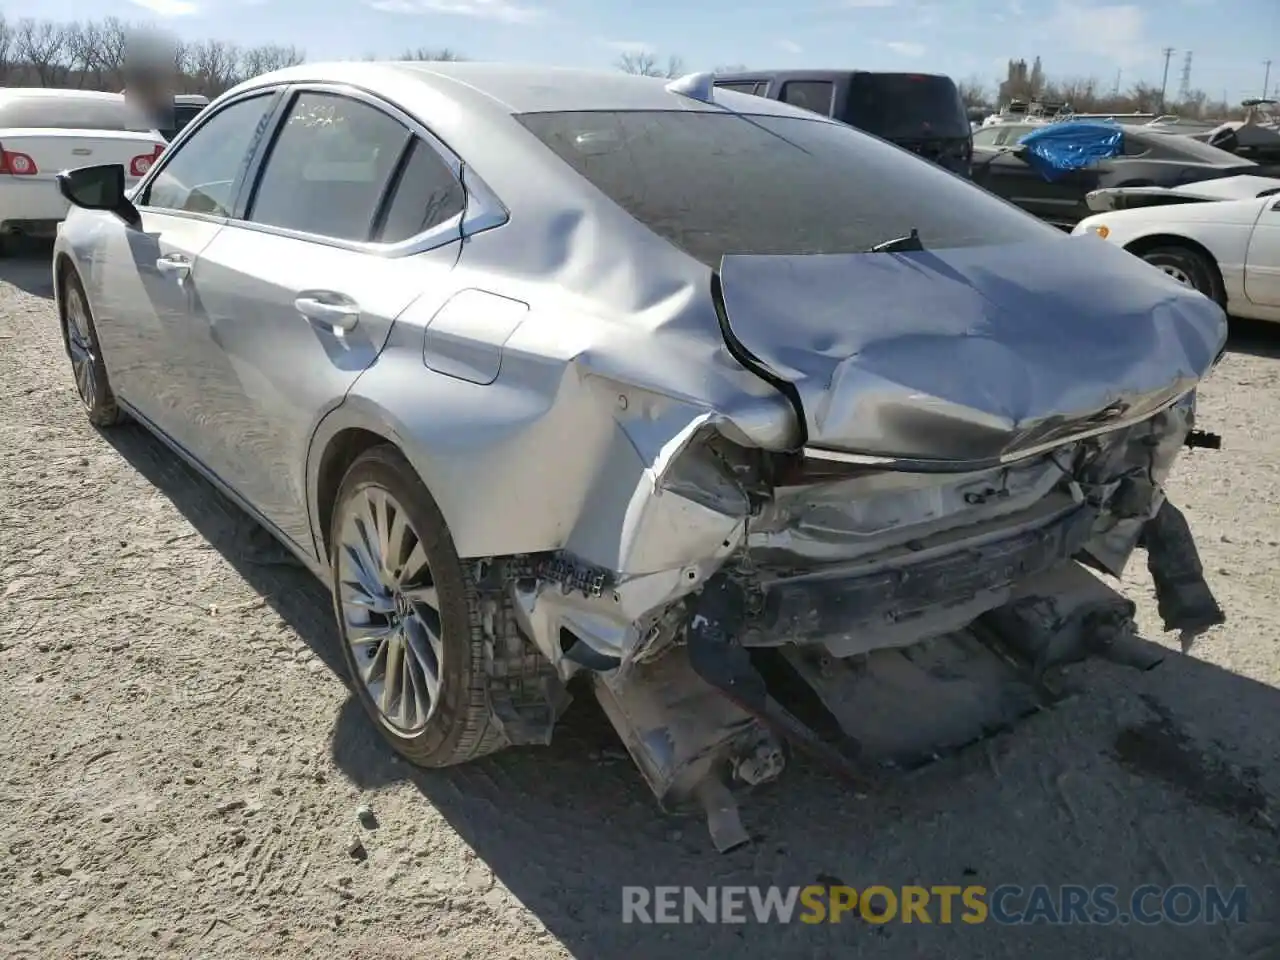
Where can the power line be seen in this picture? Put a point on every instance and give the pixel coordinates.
(1164, 83)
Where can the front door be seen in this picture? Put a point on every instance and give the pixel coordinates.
(150, 298)
(1262, 263)
(353, 218)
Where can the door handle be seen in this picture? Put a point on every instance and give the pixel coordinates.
(175, 265)
(333, 310)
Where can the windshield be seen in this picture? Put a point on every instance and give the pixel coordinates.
(72, 113)
(718, 183)
(901, 106)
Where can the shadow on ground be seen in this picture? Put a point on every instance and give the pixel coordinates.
(1164, 777)
(1256, 337)
(29, 268)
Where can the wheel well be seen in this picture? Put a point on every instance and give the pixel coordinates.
(343, 448)
(1144, 244)
(60, 268)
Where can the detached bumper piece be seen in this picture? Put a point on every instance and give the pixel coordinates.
(1183, 597)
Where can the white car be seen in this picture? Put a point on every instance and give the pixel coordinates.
(1220, 236)
(43, 132)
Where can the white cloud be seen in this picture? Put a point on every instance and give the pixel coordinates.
(790, 46)
(503, 11)
(1115, 32)
(167, 8)
(869, 4)
(906, 48)
(633, 47)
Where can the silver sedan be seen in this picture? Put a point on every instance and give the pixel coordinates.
(560, 377)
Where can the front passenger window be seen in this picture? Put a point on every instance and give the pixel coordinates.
(200, 176)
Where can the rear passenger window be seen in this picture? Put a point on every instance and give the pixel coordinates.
(749, 86)
(815, 95)
(425, 195)
(329, 167)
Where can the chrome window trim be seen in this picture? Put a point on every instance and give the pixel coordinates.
(483, 210)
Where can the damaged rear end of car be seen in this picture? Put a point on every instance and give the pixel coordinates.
(975, 451)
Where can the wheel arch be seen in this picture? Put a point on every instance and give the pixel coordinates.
(339, 439)
(1145, 244)
(63, 266)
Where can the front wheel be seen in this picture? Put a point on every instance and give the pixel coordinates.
(1189, 267)
(409, 616)
(80, 338)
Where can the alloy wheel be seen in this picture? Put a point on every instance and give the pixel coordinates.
(390, 610)
(80, 346)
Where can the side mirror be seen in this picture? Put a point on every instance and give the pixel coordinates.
(99, 188)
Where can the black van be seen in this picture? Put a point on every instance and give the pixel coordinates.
(921, 112)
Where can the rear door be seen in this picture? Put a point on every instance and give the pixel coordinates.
(356, 211)
(147, 303)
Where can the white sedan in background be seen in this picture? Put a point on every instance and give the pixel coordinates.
(1220, 236)
(43, 132)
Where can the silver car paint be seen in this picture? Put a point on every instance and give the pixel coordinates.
(558, 376)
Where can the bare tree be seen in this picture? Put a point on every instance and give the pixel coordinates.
(444, 54)
(259, 60)
(645, 64)
(82, 52)
(6, 49)
(730, 68)
(42, 44)
(973, 92)
(112, 47)
(215, 66)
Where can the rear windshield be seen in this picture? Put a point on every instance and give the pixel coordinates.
(903, 106)
(1173, 146)
(718, 183)
(70, 113)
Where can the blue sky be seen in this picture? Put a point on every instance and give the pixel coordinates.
(965, 38)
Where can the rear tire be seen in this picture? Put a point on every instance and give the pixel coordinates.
(80, 338)
(409, 616)
(1189, 267)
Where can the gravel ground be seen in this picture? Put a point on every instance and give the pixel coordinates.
(182, 763)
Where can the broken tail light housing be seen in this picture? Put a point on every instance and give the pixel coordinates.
(16, 164)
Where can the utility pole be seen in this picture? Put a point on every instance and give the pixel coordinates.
(1266, 78)
(1168, 52)
(1116, 91)
(1184, 88)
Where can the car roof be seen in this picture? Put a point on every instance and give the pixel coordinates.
(831, 75)
(14, 93)
(519, 88)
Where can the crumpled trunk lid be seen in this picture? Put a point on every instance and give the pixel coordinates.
(969, 354)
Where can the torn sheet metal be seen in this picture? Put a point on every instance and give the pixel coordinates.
(973, 353)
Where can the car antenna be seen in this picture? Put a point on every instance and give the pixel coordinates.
(908, 244)
(695, 86)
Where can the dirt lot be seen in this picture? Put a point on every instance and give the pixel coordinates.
(181, 762)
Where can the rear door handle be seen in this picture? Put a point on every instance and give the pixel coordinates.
(333, 310)
(175, 265)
